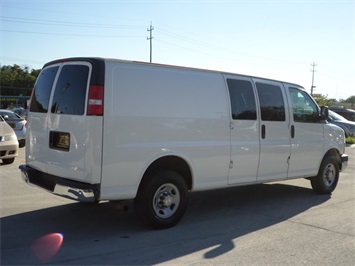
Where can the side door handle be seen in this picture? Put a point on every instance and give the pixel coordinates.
(292, 131)
(263, 133)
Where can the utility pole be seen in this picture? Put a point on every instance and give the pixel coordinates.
(151, 28)
(312, 87)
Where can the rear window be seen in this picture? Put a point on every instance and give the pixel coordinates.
(272, 105)
(9, 114)
(70, 91)
(42, 90)
(242, 99)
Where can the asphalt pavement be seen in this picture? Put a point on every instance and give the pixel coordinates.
(283, 223)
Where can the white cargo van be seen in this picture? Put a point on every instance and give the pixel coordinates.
(104, 129)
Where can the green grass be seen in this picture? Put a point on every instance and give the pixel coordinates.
(350, 140)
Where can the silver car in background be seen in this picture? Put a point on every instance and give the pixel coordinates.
(17, 123)
(347, 125)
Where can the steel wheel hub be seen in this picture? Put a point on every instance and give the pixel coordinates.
(166, 200)
(329, 175)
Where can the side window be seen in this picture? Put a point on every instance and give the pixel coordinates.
(271, 102)
(42, 90)
(242, 99)
(70, 91)
(303, 107)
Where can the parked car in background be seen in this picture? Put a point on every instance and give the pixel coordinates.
(8, 143)
(24, 114)
(342, 122)
(17, 123)
(349, 114)
(17, 109)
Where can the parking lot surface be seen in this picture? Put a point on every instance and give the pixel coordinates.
(283, 223)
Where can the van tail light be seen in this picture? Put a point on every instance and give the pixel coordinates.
(96, 100)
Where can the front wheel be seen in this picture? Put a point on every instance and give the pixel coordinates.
(327, 179)
(22, 143)
(162, 199)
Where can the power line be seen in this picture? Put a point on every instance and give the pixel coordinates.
(216, 48)
(5, 58)
(187, 39)
(75, 35)
(66, 23)
(69, 24)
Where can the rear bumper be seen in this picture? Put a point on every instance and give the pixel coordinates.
(344, 162)
(20, 134)
(66, 188)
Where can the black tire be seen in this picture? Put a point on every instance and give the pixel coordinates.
(162, 199)
(8, 161)
(21, 143)
(327, 179)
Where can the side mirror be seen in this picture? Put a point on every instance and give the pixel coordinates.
(324, 113)
(6, 117)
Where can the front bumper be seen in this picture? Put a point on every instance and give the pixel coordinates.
(66, 188)
(344, 162)
(9, 151)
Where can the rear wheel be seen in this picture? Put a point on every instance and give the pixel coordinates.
(162, 199)
(327, 179)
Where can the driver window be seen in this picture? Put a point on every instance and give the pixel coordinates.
(303, 107)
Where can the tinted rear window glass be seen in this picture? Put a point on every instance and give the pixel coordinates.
(242, 99)
(70, 91)
(271, 102)
(42, 90)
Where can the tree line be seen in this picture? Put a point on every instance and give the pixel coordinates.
(18, 77)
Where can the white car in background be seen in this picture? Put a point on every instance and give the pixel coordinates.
(8, 143)
(17, 123)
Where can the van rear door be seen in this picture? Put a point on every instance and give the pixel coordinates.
(65, 139)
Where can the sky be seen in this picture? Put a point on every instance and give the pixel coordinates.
(272, 39)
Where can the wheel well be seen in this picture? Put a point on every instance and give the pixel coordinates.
(335, 153)
(172, 163)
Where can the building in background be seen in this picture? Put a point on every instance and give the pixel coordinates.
(11, 97)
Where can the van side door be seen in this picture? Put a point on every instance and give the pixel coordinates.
(306, 133)
(274, 130)
(245, 143)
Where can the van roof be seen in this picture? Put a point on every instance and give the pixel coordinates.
(96, 60)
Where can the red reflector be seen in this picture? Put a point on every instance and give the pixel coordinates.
(96, 100)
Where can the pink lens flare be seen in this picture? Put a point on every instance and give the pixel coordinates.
(47, 246)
